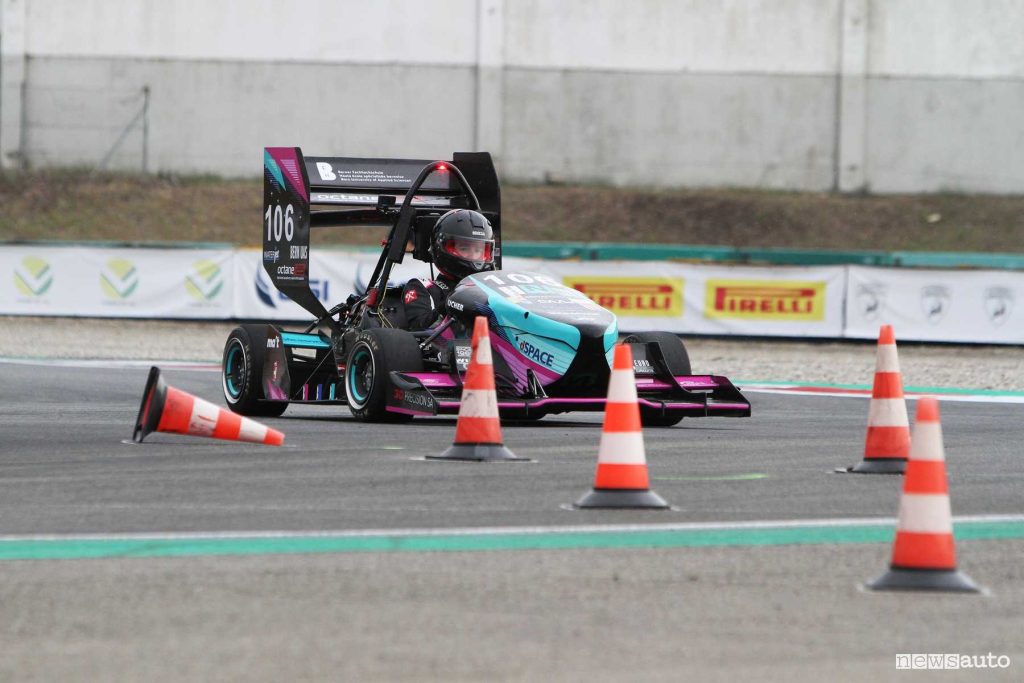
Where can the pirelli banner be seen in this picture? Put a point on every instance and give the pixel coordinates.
(713, 299)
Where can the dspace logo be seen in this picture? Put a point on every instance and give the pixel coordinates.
(119, 279)
(34, 277)
(205, 281)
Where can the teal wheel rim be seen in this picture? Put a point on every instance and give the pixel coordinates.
(234, 366)
(360, 375)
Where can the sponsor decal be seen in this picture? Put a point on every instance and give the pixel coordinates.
(410, 296)
(325, 171)
(34, 277)
(296, 252)
(271, 255)
(632, 296)
(205, 281)
(998, 304)
(119, 279)
(642, 366)
(273, 342)
(934, 303)
(456, 305)
(871, 300)
(463, 352)
(270, 298)
(413, 398)
(298, 270)
(764, 300)
(536, 354)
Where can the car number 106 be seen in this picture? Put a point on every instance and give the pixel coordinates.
(278, 221)
(518, 278)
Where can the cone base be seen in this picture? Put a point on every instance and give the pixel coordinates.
(879, 466)
(151, 407)
(622, 498)
(481, 452)
(945, 580)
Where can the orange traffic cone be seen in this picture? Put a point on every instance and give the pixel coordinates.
(923, 557)
(621, 478)
(478, 429)
(166, 409)
(888, 438)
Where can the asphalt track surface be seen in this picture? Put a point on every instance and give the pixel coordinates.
(345, 556)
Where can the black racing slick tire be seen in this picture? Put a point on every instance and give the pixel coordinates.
(678, 361)
(374, 354)
(242, 373)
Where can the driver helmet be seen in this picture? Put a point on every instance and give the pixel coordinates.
(462, 243)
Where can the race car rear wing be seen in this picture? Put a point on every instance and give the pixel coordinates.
(406, 194)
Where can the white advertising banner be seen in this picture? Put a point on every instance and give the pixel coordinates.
(116, 282)
(980, 306)
(333, 275)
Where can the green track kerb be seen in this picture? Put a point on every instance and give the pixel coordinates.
(637, 537)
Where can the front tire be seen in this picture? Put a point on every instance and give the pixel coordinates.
(242, 373)
(375, 353)
(678, 361)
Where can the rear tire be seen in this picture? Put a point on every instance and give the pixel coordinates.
(678, 361)
(375, 353)
(242, 373)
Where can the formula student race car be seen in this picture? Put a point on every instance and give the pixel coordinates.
(552, 344)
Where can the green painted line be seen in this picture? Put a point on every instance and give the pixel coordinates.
(634, 537)
(867, 387)
(719, 477)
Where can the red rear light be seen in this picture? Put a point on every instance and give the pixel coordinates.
(441, 167)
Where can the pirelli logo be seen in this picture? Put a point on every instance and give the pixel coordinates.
(632, 296)
(764, 300)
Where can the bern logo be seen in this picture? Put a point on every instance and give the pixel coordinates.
(998, 304)
(325, 171)
(935, 303)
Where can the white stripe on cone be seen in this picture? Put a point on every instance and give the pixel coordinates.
(927, 442)
(479, 403)
(887, 360)
(888, 412)
(252, 431)
(483, 351)
(622, 387)
(621, 448)
(204, 417)
(925, 513)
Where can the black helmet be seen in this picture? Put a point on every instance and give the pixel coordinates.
(462, 243)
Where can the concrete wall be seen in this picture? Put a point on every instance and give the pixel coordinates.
(878, 95)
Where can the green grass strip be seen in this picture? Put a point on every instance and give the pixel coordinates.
(125, 547)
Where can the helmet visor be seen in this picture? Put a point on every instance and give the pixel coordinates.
(467, 249)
